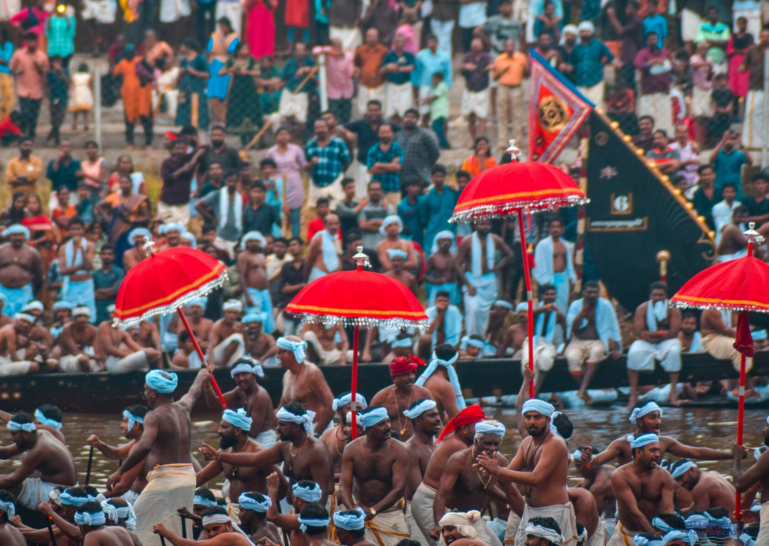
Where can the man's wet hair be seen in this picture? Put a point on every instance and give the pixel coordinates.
(51, 412)
(296, 408)
(550, 523)
(444, 351)
(563, 425)
(90, 507)
(205, 493)
(677, 464)
(717, 512)
(139, 410)
(359, 533)
(22, 418)
(545, 287)
(91, 491)
(313, 510)
(673, 520)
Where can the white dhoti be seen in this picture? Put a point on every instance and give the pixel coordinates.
(753, 132)
(135, 362)
(544, 356)
(511, 529)
(130, 496)
(477, 307)
(169, 487)
(220, 349)
(173, 10)
(598, 538)
(642, 354)
(366, 94)
(658, 106)
(267, 438)
(9, 368)
(34, 491)
(333, 192)
(362, 178)
(416, 532)
(763, 532)
(701, 102)
(609, 524)
(621, 536)
(388, 527)
(722, 348)
(399, 99)
(293, 106)
(350, 37)
(594, 93)
(232, 11)
(475, 102)
(71, 363)
(422, 510)
(425, 92)
(690, 23)
(102, 11)
(562, 285)
(563, 514)
(327, 357)
(580, 351)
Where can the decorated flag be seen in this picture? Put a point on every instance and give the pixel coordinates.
(556, 110)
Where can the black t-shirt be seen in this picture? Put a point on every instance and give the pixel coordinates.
(228, 158)
(293, 276)
(367, 136)
(755, 208)
(261, 219)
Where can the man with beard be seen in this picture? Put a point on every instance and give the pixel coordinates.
(134, 481)
(249, 395)
(458, 434)
(689, 335)
(21, 269)
(46, 463)
(9, 535)
(399, 396)
(543, 531)
(374, 473)
(597, 480)
(304, 456)
(426, 421)
(253, 517)
(540, 466)
(233, 438)
(92, 522)
(351, 528)
(259, 345)
(225, 342)
(648, 419)
(420, 149)
(643, 490)
(463, 488)
(173, 234)
(440, 378)
(708, 488)
(336, 438)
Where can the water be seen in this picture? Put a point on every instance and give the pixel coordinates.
(598, 427)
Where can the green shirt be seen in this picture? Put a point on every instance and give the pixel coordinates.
(713, 33)
(439, 108)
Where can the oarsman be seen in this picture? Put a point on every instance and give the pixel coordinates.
(259, 345)
(47, 417)
(47, 463)
(233, 438)
(134, 480)
(138, 253)
(350, 528)
(543, 532)
(463, 487)
(61, 511)
(92, 521)
(9, 535)
(324, 250)
(21, 270)
(336, 438)
(643, 489)
(597, 480)
(253, 278)
(461, 528)
(441, 272)
(541, 466)
(553, 264)
(401, 394)
(656, 328)
(165, 448)
(426, 421)
(16, 351)
(303, 382)
(253, 517)
(549, 328)
(304, 457)
(119, 512)
(217, 526)
(391, 229)
(75, 266)
(226, 344)
(303, 492)
(249, 395)
(458, 434)
(120, 353)
(756, 474)
(77, 342)
(587, 514)
(313, 523)
(478, 273)
(708, 488)
(648, 419)
(374, 473)
(440, 378)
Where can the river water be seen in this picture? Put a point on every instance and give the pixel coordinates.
(597, 427)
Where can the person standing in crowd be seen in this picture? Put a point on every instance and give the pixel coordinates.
(22, 173)
(106, 283)
(65, 171)
(60, 30)
(509, 71)
(340, 86)
(481, 160)
(366, 132)
(75, 265)
(382, 16)
(655, 64)
(328, 158)
(221, 44)
(754, 131)
(631, 34)
(137, 95)
(384, 162)
(29, 65)
(368, 63)
(420, 149)
(224, 209)
(739, 43)
(298, 85)
(475, 99)
(588, 58)
(124, 210)
(260, 27)
(245, 119)
(372, 215)
(7, 94)
(176, 172)
(193, 73)
(397, 66)
(429, 61)
(58, 93)
(472, 14)
(290, 161)
(444, 16)
(343, 18)
(437, 207)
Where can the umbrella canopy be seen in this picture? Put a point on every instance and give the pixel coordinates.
(506, 189)
(164, 282)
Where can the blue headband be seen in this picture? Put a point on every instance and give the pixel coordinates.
(680, 470)
(758, 334)
(140, 232)
(577, 456)
(504, 304)
(644, 410)
(523, 306)
(253, 236)
(43, 420)
(26, 427)
(393, 252)
(372, 417)
(697, 521)
(254, 317)
(165, 228)
(422, 406)
(202, 501)
(346, 398)
(200, 302)
(63, 305)
(477, 343)
(116, 513)
(132, 419)
(14, 229)
(67, 499)
(641, 540)
(307, 494)
(96, 519)
(405, 342)
(157, 381)
(245, 367)
(9, 508)
(191, 238)
(538, 406)
(676, 534)
(393, 218)
(305, 419)
(644, 440)
(249, 503)
(485, 427)
(238, 419)
(350, 522)
(659, 524)
(304, 523)
(296, 347)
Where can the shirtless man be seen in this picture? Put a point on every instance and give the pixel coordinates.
(305, 457)
(351, 528)
(9, 535)
(75, 266)
(756, 475)
(689, 335)
(249, 395)
(734, 243)
(459, 528)
(324, 250)
(463, 487)
(442, 382)
(337, 438)
(708, 488)
(597, 480)
(259, 345)
(165, 447)
(91, 520)
(21, 270)
(458, 434)
(401, 394)
(374, 473)
(185, 357)
(512, 344)
(643, 490)
(398, 270)
(501, 318)
(173, 233)
(587, 514)
(718, 330)
(225, 341)
(541, 466)
(136, 254)
(233, 438)
(253, 517)
(134, 481)
(441, 271)
(16, 351)
(217, 527)
(303, 382)
(46, 463)
(200, 325)
(120, 353)
(77, 341)
(322, 343)
(391, 228)
(253, 278)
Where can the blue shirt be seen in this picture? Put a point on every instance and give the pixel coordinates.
(588, 60)
(391, 182)
(428, 64)
(409, 214)
(331, 160)
(656, 23)
(407, 59)
(6, 52)
(729, 169)
(435, 209)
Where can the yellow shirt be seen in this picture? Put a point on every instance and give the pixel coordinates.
(509, 70)
(32, 169)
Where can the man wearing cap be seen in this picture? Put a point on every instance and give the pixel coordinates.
(708, 488)
(9, 535)
(75, 266)
(457, 435)
(21, 269)
(165, 445)
(259, 345)
(540, 466)
(643, 490)
(249, 395)
(374, 473)
(217, 526)
(391, 229)
(133, 256)
(588, 57)
(253, 278)
(337, 438)
(440, 378)
(553, 264)
(16, 351)
(46, 462)
(441, 272)
(119, 352)
(463, 487)
(303, 382)
(225, 342)
(400, 394)
(462, 528)
(77, 342)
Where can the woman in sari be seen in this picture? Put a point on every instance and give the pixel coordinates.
(7, 91)
(40, 236)
(481, 160)
(738, 45)
(125, 166)
(123, 211)
(14, 214)
(244, 117)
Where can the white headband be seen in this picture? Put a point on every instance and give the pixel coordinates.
(216, 518)
(305, 419)
(244, 367)
(538, 406)
(543, 532)
(644, 410)
(421, 407)
(682, 469)
(347, 398)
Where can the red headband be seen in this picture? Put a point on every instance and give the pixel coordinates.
(401, 366)
(467, 416)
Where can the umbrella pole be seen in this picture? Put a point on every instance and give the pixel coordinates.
(214, 384)
(354, 386)
(740, 424)
(529, 297)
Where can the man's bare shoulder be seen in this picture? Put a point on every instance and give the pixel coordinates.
(422, 392)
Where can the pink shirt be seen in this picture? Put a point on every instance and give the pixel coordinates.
(31, 70)
(411, 45)
(700, 74)
(291, 164)
(339, 71)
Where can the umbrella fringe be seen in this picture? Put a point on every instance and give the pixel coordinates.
(741, 306)
(167, 309)
(330, 320)
(505, 210)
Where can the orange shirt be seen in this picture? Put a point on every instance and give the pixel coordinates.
(473, 166)
(369, 60)
(509, 70)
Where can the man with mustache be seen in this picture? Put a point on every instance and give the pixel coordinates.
(337, 438)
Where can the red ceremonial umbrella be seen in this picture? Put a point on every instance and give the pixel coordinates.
(163, 283)
(737, 285)
(513, 189)
(358, 298)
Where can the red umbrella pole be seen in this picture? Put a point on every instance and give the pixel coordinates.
(529, 297)
(354, 387)
(187, 327)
